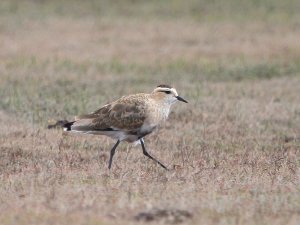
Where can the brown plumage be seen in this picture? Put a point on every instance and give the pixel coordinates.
(129, 118)
(127, 113)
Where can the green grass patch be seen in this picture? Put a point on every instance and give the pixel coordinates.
(38, 89)
(232, 10)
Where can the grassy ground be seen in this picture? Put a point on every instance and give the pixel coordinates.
(233, 150)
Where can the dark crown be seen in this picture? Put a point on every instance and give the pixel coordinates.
(164, 86)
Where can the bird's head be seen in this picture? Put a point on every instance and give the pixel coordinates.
(168, 94)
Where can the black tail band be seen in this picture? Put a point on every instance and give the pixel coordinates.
(68, 125)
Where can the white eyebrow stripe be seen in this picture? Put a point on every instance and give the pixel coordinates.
(163, 89)
(174, 91)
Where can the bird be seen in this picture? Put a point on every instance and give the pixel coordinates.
(130, 118)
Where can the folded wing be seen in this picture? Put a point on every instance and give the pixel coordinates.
(126, 114)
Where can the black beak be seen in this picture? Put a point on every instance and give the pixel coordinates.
(181, 99)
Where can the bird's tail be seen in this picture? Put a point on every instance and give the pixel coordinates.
(67, 126)
(58, 124)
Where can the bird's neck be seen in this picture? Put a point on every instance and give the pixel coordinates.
(161, 109)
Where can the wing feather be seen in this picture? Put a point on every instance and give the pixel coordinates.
(127, 113)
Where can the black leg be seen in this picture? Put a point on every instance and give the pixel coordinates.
(147, 154)
(112, 152)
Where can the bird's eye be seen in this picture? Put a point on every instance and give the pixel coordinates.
(168, 92)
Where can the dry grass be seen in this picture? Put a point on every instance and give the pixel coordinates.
(234, 157)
